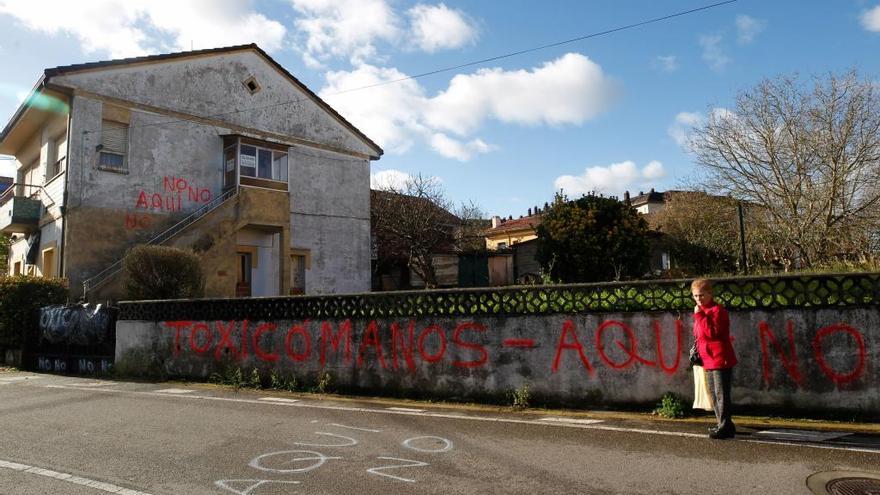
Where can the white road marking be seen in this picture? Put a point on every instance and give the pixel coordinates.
(348, 441)
(318, 458)
(252, 485)
(11, 379)
(94, 384)
(599, 427)
(800, 435)
(406, 409)
(447, 445)
(278, 399)
(353, 427)
(69, 478)
(412, 463)
(573, 421)
(177, 391)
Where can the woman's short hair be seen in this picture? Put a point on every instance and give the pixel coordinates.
(702, 283)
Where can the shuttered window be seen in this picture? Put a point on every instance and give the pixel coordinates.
(60, 156)
(114, 145)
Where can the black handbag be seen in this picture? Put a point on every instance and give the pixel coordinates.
(694, 356)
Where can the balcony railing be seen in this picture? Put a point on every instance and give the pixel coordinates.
(21, 206)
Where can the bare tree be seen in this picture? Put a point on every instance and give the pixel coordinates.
(414, 223)
(809, 156)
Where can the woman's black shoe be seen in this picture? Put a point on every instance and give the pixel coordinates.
(721, 434)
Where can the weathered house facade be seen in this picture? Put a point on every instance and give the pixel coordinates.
(221, 151)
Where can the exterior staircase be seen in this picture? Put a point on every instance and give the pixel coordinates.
(101, 278)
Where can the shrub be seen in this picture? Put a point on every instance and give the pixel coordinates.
(21, 298)
(670, 406)
(162, 272)
(520, 398)
(323, 383)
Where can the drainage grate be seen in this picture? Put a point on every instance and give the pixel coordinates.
(853, 486)
(844, 483)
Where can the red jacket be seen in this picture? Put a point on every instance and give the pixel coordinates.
(712, 334)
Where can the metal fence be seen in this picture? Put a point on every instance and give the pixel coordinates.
(739, 293)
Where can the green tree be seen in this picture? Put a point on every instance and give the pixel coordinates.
(592, 239)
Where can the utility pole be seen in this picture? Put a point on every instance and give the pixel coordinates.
(742, 239)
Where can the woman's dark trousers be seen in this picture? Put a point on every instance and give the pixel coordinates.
(719, 382)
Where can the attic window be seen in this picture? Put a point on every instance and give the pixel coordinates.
(252, 85)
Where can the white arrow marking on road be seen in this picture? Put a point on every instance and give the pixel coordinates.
(69, 478)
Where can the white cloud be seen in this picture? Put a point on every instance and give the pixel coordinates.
(568, 90)
(713, 54)
(747, 28)
(436, 27)
(390, 114)
(389, 179)
(871, 19)
(138, 27)
(682, 124)
(666, 63)
(345, 28)
(611, 179)
(653, 170)
(461, 151)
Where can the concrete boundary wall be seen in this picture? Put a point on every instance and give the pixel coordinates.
(790, 359)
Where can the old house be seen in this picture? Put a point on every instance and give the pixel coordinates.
(222, 151)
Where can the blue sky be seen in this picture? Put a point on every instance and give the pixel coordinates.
(604, 114)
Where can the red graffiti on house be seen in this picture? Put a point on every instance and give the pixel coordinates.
(175, 193)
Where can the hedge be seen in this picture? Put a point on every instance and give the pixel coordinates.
(21, 298)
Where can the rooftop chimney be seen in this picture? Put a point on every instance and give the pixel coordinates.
(530, 212)
(496, 221)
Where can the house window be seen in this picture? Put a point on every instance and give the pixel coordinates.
(16, 268)
(502, 245)
(59, 157)
(114, 146)
(263, 163)
(252, 85)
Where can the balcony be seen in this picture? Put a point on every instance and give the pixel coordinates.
(20, 211)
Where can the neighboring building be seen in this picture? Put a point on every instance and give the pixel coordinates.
(221, 150)
(504, 233)
(390, 260)
(650, 202)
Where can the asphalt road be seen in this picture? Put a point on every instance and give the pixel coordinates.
(83, 436)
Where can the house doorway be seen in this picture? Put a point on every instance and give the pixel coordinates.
(243, 280)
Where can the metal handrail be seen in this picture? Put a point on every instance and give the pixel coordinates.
(9, 193)
(114, 268)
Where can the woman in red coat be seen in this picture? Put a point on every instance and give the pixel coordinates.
(712, 335)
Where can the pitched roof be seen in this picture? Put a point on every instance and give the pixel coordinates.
(524, 223)
(66, 69)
